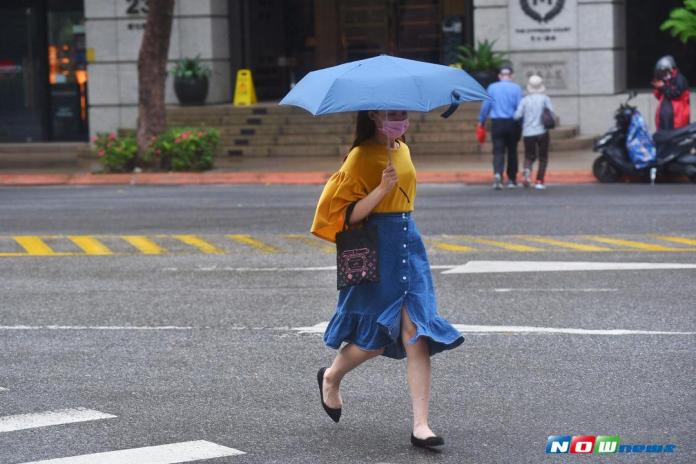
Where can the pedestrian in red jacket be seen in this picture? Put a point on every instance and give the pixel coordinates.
(672, 90)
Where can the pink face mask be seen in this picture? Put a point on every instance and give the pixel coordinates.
(394, 129)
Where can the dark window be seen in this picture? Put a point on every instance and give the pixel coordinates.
(646, 43)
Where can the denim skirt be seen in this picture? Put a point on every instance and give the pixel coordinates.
(369, 315)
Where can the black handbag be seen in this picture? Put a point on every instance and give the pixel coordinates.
(357, 253)
(548, 119)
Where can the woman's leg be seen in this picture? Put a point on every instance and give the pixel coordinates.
(529, 157)
(348, 358)
(543, 155)
(418, 373)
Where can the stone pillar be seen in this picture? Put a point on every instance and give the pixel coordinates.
(577, 46)
(114, 30)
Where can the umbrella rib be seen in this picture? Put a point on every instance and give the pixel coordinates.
(328, 91)
(420, 89)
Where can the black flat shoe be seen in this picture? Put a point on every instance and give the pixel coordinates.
(431, 443)
(334, 413)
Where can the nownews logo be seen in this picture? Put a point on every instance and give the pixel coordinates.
(600, 444)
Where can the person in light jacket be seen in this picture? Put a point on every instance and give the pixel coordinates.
(535, 135)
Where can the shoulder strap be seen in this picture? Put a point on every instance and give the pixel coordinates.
(349, 212)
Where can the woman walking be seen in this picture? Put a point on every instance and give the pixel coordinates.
(397, 316)
(535, 135)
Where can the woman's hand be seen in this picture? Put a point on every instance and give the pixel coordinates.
(389, 178)
(365, 206)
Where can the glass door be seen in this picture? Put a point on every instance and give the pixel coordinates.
(67, 70)
(22, 73)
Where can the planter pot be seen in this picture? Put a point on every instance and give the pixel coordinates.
(191, 91)
(485, 78)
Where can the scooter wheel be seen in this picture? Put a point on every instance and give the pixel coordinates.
(604, 171)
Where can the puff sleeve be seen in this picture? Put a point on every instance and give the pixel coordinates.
(340, 190)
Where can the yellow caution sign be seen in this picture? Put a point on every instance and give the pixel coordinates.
(244, 93)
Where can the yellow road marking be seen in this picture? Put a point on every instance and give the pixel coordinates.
(632, 244)
(451, 246)
(144, 244)
(199, 243)
(563, 243)
(670, 238)
(252, 242)
(314, 243)
(35, 246)
(90, 245)
(503, 245)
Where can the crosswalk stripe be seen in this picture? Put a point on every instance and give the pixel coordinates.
(144, 244)
(3, 389)
(35, 245)
(503, 245)
(670, 238)
(252, 242)
(90, 245)
(199, 243)
(46, 418)
(161, 454)
(563, 243)
(451, 246)
(314, 243)
(632, 244)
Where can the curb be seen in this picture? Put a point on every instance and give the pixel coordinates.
(264, 178)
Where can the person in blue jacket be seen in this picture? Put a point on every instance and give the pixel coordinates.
(505, 131)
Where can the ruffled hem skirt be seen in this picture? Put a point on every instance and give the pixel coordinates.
(369, 315)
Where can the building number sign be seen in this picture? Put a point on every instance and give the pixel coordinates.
(136, 7)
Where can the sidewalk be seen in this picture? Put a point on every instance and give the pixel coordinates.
(572, 167)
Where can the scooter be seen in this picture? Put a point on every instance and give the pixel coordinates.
(676, 150)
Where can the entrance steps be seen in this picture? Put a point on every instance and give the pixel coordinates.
(269, 130)
(44, 155)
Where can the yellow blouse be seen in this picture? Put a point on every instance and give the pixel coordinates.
(361, 173)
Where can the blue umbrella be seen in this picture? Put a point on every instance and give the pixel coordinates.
(384, 83)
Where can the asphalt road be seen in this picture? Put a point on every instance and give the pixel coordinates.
(222, 344)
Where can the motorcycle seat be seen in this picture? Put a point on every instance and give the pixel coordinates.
(664, 136)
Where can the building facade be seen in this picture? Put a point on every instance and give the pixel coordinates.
(68, 68)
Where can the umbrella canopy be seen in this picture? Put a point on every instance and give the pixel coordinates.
(384, 83)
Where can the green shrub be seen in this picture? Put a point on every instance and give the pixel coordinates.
(117, 154)
(185, 149)
(480, 58)
(190, 68)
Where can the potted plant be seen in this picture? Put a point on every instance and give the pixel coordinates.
(481, 61)
(191, 81)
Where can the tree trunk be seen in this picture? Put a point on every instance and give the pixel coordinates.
(152, 72)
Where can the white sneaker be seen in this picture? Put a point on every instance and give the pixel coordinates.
(540, 185)
(512, 185)
(497, 182)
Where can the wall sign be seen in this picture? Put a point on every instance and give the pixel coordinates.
(543, 24)
(136, 8)
(554, 73)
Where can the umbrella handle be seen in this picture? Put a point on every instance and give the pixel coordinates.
(453, 106)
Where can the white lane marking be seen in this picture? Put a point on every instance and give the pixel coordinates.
(3, 389)
(275, 269)
(484, 267)
(321, 327)
(96, 327)
(552, 290)
(529, 329)
(162, 454)
(46, 418)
